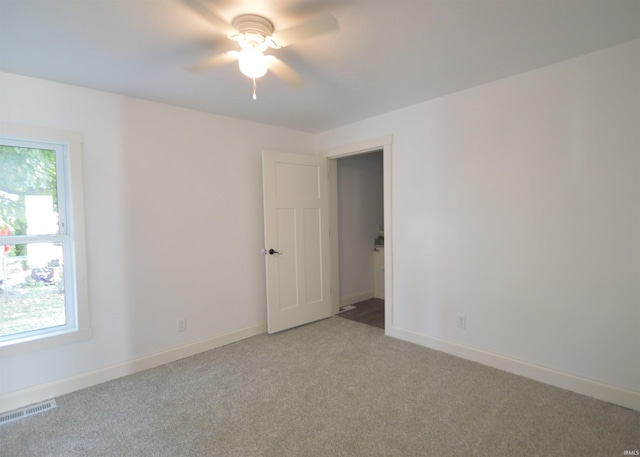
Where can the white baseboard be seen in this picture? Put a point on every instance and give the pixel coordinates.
(25, 397)
(355, 298)
(585, 386)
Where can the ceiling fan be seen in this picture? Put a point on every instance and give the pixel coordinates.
(255, 34)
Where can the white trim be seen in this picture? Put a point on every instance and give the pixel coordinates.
(33, 132)
(332, 169)
(69, 145)
(585, 386)
(18, 399)
(45, 339)
(388, 238)
(361, 147)
(373, 144)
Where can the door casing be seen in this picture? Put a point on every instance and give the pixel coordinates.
(381, 143)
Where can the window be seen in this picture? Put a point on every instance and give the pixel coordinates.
(42, 269)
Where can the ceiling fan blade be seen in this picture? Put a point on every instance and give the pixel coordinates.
(214, 61)
(285, 72)
(320, 24)
(209, 15)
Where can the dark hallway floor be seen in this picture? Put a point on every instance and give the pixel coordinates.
(370, 312)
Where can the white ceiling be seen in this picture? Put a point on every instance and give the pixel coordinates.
(386, 55)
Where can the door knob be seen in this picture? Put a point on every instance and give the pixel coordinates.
(273, 251)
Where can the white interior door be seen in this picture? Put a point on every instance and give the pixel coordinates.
(297, 254)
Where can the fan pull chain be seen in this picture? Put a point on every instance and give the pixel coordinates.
(254, 88)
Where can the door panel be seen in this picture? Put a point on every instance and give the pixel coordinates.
(298, 180)
(312, 255)
(296, 208)
(284, 269)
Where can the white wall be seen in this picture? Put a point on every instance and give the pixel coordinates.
(360, 213)
(174, 226)
(517, 203)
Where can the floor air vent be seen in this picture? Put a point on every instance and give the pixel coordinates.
(27, 411)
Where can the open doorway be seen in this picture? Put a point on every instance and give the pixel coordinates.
(360, 201)
(335, 154)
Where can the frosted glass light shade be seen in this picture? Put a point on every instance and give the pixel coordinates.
(252, 62)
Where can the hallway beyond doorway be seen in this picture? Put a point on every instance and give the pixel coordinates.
(370, 312)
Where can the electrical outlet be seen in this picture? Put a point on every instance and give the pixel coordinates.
(182, 325)
(461, 321)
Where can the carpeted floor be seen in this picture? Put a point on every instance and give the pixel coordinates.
(332, 388)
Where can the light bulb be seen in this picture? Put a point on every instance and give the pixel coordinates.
(252, 62)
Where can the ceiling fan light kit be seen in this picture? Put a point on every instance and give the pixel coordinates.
(252, 62)
(255, 35)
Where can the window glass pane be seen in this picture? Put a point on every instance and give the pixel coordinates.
(31, 287)
(28, 191)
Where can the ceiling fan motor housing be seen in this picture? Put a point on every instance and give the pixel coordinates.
(254, 31)
(253, 24)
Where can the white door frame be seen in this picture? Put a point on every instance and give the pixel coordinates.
(381, 143)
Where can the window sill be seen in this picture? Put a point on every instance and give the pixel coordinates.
(44, 341)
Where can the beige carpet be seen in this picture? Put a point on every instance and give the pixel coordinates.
(333, 388)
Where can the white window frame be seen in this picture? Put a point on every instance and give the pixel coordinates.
(68, 147)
